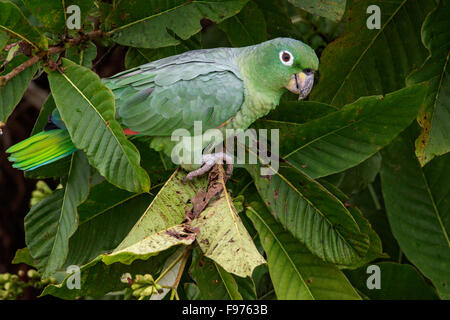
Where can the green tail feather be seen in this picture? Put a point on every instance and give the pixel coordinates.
(41, 149)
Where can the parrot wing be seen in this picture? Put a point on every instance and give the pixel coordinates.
(157, 98)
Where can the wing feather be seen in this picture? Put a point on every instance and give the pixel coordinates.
(171, 93)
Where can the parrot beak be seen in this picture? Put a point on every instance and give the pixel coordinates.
(301, 83)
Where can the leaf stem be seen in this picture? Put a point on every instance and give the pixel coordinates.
(52, 50)
(180, 272)
(173, 264)
(184, 256)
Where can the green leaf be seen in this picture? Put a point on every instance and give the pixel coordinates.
(298, 112)
(296, 273)
(103, 197)
(97, 279)
(167, 210)
(364, 62)
(23, 256)
(330, 9)
(52, 13)
(12, 92)
(151, 245)
(14, 22)
(3, 40)
(311, 213)
(87, 108)
(375, 250)
(108, 224)
(398, 282)
(156, 24)
(223, 238)
(139, 56)
(82, 54)
(246, 28)
(44, 115)
(345, 138)
(47, 210)
(277, 18)
(246, 287)
(213, 37)
(212, 280)
(51, 222)
(418, 208)
(359, 177)
(158, 165)
(55, 169)
(192, 291)
(369, 201)
(434, 117)
(261, 277)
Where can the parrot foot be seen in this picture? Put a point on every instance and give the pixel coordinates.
(208, 161)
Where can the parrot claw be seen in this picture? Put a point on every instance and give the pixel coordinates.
(208, 161)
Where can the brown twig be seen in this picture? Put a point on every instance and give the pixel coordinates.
(87, 37)
(52, 50)
(182, 266)
(35, 59)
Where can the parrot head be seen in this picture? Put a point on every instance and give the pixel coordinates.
(283, 63)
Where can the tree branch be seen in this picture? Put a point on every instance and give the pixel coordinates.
(52, 50)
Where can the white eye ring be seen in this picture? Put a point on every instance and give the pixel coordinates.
(286, 54)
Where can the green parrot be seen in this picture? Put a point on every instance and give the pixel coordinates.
(224, 88)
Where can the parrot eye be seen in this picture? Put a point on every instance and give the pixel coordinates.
(286, 58)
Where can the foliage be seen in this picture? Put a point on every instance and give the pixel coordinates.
(434, 116)
(363, 176)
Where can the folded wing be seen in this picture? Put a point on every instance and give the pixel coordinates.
(159, 97)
